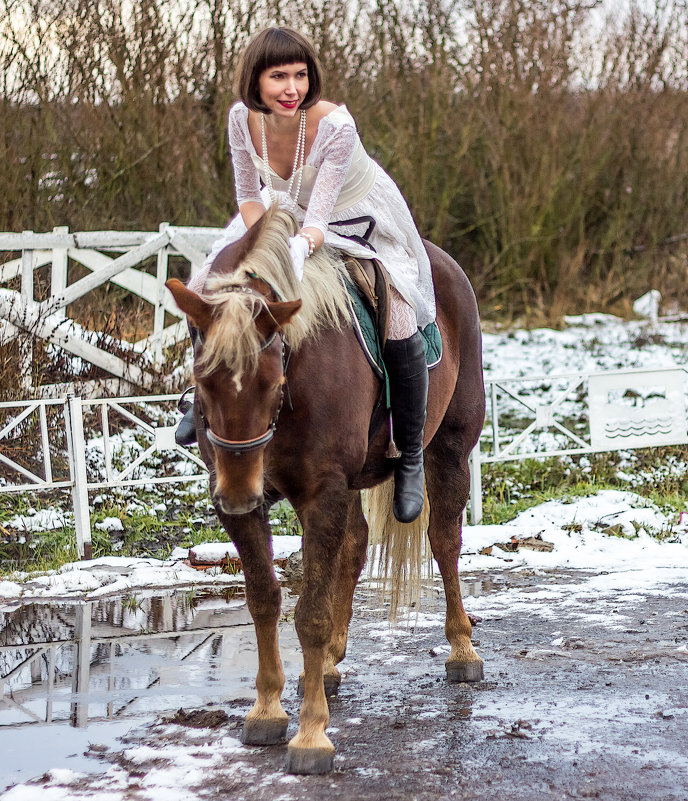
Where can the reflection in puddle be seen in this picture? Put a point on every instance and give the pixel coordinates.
(472, 588)
(111, 661)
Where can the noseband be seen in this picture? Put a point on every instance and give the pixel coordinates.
(241, 447)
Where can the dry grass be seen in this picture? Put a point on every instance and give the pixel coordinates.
(546, 151)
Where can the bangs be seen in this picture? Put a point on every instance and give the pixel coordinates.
(281, 48)
(273, 47)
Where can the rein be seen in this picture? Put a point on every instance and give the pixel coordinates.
(241, 447)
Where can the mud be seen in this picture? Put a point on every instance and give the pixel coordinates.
(580, 700)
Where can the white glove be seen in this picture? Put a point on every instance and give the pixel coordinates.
(298, 250)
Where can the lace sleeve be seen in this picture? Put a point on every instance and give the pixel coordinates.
(246, 181)
(338, 148)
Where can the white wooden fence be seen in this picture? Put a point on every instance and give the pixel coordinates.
(626, 409)
(127, 442)
(23, 316)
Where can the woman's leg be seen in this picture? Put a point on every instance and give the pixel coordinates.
(408, 377)
(186, 430)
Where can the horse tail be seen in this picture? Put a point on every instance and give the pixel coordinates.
(400, 551)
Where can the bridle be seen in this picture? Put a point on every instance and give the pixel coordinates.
(241, 447)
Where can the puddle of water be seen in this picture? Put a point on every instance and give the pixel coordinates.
(473, 588)
(101, 667)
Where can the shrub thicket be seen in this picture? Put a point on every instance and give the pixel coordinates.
(542, 144)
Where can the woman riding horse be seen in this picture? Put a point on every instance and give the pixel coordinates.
(309, 158)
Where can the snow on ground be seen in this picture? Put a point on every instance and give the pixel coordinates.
(607, 530)
(590, 342)
(617, 544)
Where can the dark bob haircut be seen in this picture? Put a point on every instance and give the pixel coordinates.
(272, 48)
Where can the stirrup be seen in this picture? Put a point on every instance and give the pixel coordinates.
(184, 404)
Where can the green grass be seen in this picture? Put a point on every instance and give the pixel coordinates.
(186, 519)
(658, 474)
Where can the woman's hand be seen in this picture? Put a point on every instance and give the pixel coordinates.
(298, 250)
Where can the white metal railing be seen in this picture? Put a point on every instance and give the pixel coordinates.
(124, 463)
(109, 256)
(578, 413)
(569, 414)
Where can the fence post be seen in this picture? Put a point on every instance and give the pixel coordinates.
(82, 517)
(159, 318)
(476, 486)
(25, 341)
(58, 271)
(81, 668)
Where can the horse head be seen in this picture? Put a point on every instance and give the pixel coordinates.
(239, 367)
(239, 370)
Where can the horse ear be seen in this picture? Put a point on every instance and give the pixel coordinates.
(193, 305)
(281, 313)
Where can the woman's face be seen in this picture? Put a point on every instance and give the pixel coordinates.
(283, 88)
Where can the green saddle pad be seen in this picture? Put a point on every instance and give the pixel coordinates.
(370, 341)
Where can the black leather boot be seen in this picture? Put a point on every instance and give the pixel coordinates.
(408, 378)
(186, 430)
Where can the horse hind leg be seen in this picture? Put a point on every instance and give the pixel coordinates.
(448, 492)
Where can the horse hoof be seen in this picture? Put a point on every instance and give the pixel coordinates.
(309, 760)
(264, 731)
(464, 671)
(331, 686)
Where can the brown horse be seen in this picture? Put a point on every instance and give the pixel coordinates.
(284, 399)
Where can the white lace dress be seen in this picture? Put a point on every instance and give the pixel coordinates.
(340, 182)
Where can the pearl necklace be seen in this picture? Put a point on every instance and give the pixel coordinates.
(299, 155)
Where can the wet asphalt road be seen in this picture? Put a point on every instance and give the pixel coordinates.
(579, 701)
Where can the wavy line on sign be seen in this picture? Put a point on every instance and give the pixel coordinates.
(638, 429)
(639, 424)
(643, 421)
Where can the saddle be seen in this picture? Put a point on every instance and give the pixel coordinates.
(369, 293)
(371, 284)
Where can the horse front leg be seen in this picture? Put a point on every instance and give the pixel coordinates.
(448, 495)
(352, 557)
(310, 750)
(350, 563)
(266, 723)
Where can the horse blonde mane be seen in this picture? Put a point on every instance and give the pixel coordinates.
(233, 339)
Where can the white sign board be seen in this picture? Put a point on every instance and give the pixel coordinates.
(637, 409)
